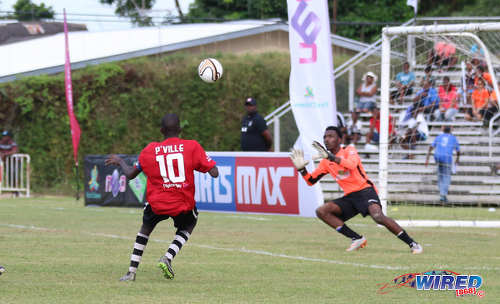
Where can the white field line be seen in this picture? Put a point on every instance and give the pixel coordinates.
(250, 218)
(241, 250)
(259, 252)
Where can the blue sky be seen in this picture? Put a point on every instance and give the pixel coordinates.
(94, 7)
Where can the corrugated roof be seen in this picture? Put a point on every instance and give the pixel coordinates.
(46, 55)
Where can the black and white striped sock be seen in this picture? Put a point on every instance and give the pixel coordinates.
(140, 243)
(181, 237)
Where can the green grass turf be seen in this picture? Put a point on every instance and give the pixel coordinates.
(56, 250)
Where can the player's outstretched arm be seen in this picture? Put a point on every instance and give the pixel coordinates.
(130, 171)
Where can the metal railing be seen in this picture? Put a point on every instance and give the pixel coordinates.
(15, 174)
(492, 133)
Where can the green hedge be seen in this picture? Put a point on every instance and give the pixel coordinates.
(119, 107)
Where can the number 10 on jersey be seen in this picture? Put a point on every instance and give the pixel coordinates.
(167, 171)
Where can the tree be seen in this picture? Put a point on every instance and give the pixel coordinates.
(134, 9)
(480, 8)
(25, 10)
(202, 10)
(347, 11)
(355, 19)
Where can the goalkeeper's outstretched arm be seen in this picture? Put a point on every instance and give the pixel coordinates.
(297, 157)
(311, 178)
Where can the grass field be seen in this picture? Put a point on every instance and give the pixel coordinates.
(56, 250)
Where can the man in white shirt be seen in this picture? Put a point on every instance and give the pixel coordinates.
(418, 130)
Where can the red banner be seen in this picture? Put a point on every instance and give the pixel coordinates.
(75, 128)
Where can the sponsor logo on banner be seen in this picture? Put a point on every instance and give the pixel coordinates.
(93, 184)
(266, 185)
(138, 186)
(116, 183)
(216, 193)
(250, 184)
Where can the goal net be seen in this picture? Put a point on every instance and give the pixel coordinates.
(415, 193)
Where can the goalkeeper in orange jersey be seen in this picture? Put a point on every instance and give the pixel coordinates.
(360, 195)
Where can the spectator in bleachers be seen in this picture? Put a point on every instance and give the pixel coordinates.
(476, 62)
(366, 92)
(482, 74)
(448, 103)
(495, 169)
(470, 73)
(417, 130)
(480, 100)
(442, 55)
(427, 76)
(353, 129)
(342, 126)
(428, 100)
(444, 144)
(404, 83)
(373, 135)
(492, 108)
(476, 50)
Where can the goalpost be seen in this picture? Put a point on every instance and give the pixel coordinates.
(410, 182)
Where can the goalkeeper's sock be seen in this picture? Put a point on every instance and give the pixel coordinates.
(403, 236)
(181, 237)
(140, 243)
(348, 232)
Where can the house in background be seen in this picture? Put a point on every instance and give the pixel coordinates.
(12, 31)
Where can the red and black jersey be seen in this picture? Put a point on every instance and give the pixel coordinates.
(169, 166)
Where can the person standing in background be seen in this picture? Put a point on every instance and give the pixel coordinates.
(7, 145)
(254, 133)
(444, 144)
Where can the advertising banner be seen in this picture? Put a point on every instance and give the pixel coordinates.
(312, 85)
(108, 186)
(255, 182)
(259, 182)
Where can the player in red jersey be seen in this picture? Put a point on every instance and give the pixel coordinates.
(360, 195)
(169, 166)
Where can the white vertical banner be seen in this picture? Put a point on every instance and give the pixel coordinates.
(312, 86)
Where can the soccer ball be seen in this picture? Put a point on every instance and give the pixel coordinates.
(210, 70)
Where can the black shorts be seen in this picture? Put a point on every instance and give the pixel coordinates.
(181, 221)
(395, 94)
(436, 58)
(481, 111)
(357, 202)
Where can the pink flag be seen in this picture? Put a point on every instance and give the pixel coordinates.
(75, 128)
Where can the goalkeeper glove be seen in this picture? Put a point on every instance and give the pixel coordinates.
(297, 157)
(322, 152)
